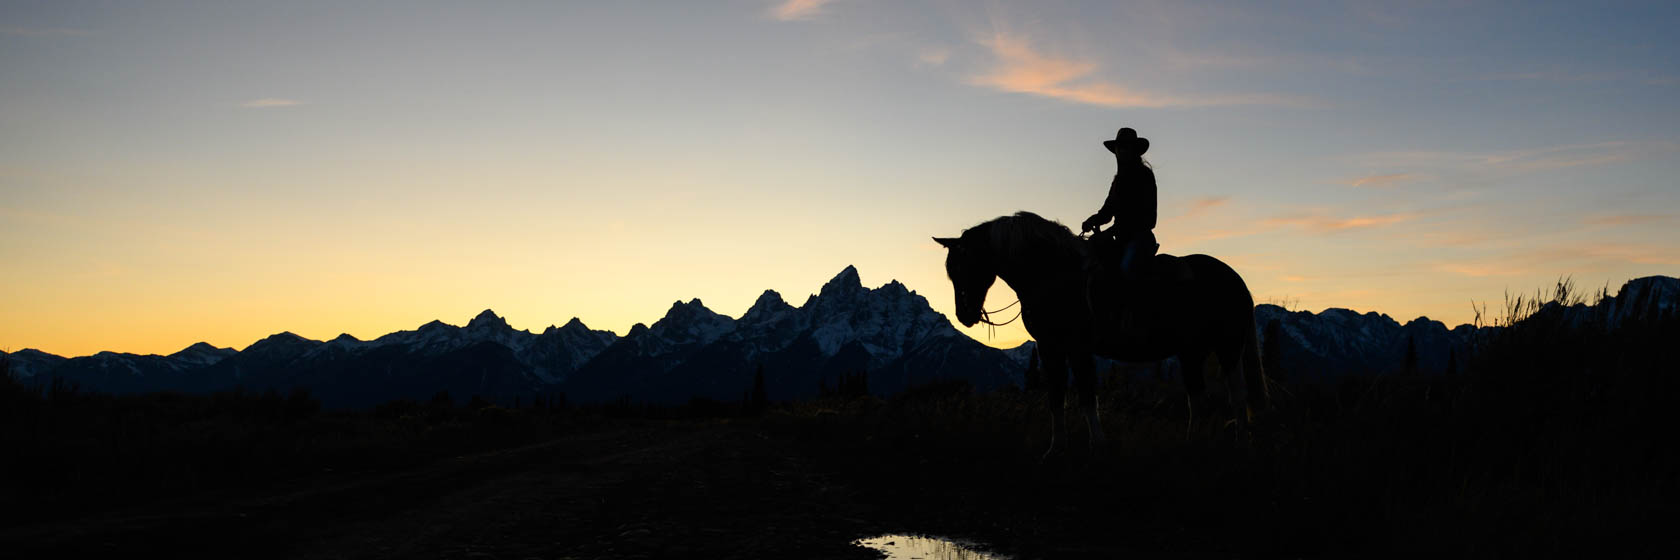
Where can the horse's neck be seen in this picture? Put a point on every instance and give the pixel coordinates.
(1039, 273)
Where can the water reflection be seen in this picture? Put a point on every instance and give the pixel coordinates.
(914, 547)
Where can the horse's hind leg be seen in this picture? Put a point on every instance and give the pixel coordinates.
(1192, 368)
(1236, 393)
(1085, 384)
(1055, 385)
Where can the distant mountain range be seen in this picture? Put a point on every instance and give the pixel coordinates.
(891, 332)
(1337, 342)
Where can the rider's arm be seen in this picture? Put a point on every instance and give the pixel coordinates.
(1109, 208)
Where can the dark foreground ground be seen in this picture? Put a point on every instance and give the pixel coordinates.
(1555, 443)
(804, 480)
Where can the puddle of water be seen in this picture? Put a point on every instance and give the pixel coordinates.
(917, 547)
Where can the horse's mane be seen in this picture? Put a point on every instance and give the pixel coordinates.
(1026, 231)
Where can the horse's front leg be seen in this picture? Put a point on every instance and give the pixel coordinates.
(1085, 384)
(1055, 385)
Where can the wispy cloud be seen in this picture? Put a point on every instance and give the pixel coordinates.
(1382, 180)
(1555, 76)
(43, 31)
(798, 10)
(268, 102)
(1446, 238)
(1628, 219)
(1637, 253)
(1577, 257)
(1019, 68)
(1568, 76)
(1203, 204)
(1215, 234)
(1480, 270)
(933, 56)
(1322, 223)
(1544, 158)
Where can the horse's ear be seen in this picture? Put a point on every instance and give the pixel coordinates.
(949, 242)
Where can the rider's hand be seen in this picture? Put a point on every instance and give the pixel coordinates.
(1091, 223)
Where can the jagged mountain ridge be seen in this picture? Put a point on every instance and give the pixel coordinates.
(889, 331)
(486, 356)
(1338, 342)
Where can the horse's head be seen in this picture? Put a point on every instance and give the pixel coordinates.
(971, 275)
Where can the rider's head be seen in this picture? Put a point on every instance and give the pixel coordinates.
(1127, 143)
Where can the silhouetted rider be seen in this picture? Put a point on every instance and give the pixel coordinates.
(1130, 203)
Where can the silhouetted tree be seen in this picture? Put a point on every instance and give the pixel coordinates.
(1034, 376)
(1410, 364)
(850, 385)
(1452, 362)
(1271, 351)
(759, 400)
(442, 399)
(301, 404)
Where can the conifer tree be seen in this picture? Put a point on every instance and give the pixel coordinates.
(1411, 361)
(1271, 351)
(759, 400)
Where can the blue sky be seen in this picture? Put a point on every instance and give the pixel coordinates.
(174, 172)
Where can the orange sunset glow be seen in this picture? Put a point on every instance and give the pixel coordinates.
(172, 176)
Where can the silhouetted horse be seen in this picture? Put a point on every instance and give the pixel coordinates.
(1201, 307)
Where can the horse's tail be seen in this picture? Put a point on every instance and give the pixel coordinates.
(1253, 373)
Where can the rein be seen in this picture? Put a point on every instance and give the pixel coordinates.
(986, 317)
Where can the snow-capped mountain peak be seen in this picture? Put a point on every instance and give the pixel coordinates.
(886, 321)
(278, 339)
(768, 302)
(202, 354)
(847, 282)
(691, 322)
(488, 320)
(434, 325)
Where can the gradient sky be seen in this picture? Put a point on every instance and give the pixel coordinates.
(221, 171)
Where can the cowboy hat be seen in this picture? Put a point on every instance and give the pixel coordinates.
(1127, 141)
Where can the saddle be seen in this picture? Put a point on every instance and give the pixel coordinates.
(1155, 278)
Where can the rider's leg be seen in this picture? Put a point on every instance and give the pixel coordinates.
(1128, 285)
(1131, 256)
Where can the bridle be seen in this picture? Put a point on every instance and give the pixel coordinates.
(991, 327)
(986, 316)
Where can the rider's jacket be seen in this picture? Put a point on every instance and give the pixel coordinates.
(1131, 199)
